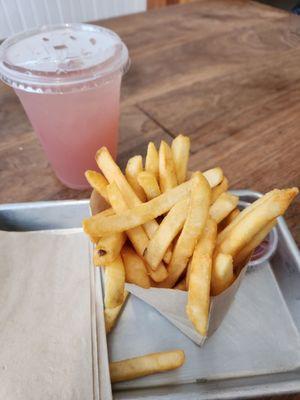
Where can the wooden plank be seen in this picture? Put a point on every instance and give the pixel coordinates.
(26, 175)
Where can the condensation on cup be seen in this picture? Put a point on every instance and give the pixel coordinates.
(68, 78)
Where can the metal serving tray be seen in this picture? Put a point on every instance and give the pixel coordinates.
(285, 266)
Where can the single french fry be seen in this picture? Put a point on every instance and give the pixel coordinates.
(181, 153)
(181, 285)
(136, 235)
(226, 221)
(168, 229)
(167, 172)
(145, 365)
(107, 212)
(222, 273)
(113, 174)
(242, 214)
(219, 189)
(111, 315)
(108, 249)
(135, 268)
(214, 176)
(149, 184)
(98, 225)
(257, 239)
(192, 229)
(133, 168)
(151, 162)
(253, 222)
(223, 206)
(200, 278)
(98, 182)
(114, 283)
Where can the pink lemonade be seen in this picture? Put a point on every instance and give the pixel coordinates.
(68, 78)
(72, 126)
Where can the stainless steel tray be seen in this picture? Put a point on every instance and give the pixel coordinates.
(285, 265)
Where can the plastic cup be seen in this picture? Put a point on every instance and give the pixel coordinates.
(68, 78)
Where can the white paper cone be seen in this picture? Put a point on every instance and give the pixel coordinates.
(172, 305)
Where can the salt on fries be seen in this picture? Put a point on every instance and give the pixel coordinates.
(168, 227)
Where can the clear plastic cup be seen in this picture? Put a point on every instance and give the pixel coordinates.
(68, 78)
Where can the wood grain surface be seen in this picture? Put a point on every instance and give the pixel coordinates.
(225, 72)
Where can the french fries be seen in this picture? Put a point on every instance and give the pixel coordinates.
(167, 172)
(113, 174)
(257, 239)
(192, 229)
(145, 365)
(133, 168)
(114, 283)
(98, 182)
(250, 223)
(151, 162)
(181, 152)
(214, 176)
(135, 268)
(219, 189)
(149, 184)
(223, 206)
(171, 228)
(108, 248)
(222, 273)
(137, 235)
(230, 217)
(100, 225)
(199, 279)
(111, 314)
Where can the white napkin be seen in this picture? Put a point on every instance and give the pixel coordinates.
(49, 344)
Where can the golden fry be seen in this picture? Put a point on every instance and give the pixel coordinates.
(167, 172)
(192, 229)
(168, 229)
(181, 153)
(222, 273)
(113, 174)
(108, 248)
(218, 190)
(200, 278)
(243, 255)
(242, 214)
(135, 268)
(151, 163)
(137, 235)
(145, 365)
(230, 217)
(98, 225)
(98, 182)
(223, 206)
(133, 168)
(214, 176)
(254, 221)
(149, 184)
(111, 315)
(114, 283)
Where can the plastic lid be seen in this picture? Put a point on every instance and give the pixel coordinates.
(54, 58)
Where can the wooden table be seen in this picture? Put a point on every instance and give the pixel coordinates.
(226, 73)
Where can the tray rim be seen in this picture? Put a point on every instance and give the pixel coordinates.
(248, 390)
